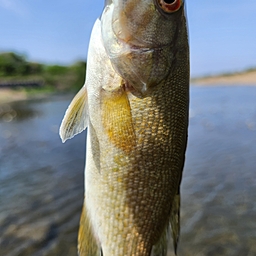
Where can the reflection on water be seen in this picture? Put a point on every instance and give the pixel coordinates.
(17, 111)
(219, 186)
(41, 179)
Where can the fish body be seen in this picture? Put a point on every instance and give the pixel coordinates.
(135, 106)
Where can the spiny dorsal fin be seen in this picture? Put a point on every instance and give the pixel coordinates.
(175, 221)
(76, 116)
(87, 244)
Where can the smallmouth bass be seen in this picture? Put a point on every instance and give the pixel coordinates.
(135, 105)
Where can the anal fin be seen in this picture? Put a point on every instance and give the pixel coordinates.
(87, 244)
(160, 248)
(175, 221)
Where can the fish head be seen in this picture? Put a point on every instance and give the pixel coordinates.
(142, 38)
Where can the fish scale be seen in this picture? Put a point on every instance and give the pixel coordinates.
(141, 178)
(135, 102)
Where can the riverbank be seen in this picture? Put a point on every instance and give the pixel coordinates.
(241, 78)
(11, 95)
(246, 78)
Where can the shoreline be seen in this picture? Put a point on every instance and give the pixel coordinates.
(248, 78)
(236, 79)
(11, 95)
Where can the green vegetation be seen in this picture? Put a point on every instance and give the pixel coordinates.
(15, 68)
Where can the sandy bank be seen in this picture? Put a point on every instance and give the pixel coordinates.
(244, 78)
(8, 95)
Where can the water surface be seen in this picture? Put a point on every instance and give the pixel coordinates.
(41, 179)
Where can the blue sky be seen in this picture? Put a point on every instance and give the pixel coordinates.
(222, 32)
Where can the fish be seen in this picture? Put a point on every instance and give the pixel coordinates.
(134, 105)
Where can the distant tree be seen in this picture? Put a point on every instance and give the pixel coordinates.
(56, 70)
(35, 68)
(79, 69)
(12, 64)
(65, 78)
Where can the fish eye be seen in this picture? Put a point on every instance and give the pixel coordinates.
(169, 6)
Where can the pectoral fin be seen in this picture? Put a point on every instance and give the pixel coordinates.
(175, 221)
(76, 116)
(87, 244)
(117, 118)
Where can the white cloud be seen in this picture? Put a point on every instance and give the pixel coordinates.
(13, 6)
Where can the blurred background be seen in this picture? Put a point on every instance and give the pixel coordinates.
(43, 50)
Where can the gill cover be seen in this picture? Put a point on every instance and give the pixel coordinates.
(139, 39)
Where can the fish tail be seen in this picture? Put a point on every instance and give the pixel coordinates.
(175, 221)
(87, 243)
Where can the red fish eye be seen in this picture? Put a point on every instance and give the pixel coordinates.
(169, 6)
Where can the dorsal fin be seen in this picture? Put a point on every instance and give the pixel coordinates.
(76, 116)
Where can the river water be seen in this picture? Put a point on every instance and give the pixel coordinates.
(41, 179)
